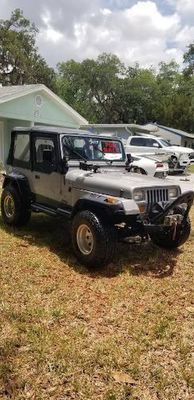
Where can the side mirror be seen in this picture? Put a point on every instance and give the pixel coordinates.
(64, 164)
(156, 145)
(128, 162)
(65, 159)
(129, 158)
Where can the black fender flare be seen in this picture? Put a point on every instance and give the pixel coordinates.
(20, 182)
(97, 204)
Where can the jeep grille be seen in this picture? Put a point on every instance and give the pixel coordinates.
(155, 195)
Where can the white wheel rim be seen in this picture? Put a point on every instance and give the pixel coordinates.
(9, 206)
(85, 239)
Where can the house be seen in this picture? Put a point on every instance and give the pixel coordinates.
(30, 105)
(122, 131)
(174, 136)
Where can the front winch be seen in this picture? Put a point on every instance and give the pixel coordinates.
(171, 220)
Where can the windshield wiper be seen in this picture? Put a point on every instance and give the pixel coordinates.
(85, 166)
(69, 147)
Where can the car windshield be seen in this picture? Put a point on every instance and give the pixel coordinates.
(92, 148)
(165, 143)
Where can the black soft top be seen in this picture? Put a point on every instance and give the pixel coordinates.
(59, 131)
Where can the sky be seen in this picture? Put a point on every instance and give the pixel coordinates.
(144, 31)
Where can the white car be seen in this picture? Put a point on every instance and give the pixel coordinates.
(151, 166)
(179, 156)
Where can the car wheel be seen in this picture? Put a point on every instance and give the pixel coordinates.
(166, 238)
(139, 170)
(93, 241)
(13, 211)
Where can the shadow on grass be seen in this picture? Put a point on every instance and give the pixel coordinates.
(137, 259)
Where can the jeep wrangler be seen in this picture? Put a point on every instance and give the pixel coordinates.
(86, 179)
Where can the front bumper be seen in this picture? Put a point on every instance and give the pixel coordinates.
(171, 214)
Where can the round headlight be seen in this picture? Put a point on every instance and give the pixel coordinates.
(173, 193)
(139, 195)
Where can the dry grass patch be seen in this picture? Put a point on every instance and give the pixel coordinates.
(125, 332)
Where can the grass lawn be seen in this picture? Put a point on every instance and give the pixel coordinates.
(126, 332)
(191, 168)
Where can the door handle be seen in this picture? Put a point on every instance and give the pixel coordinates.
(37, 176)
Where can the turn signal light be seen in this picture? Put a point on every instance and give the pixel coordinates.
(111, 200)
(159, 165)
(142, 208)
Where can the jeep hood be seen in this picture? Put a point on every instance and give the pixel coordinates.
(115, 183)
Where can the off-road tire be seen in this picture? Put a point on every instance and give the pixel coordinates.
(21, 213)
(165, 240)
(104, 240)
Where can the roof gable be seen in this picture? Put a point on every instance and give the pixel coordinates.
(11, 93)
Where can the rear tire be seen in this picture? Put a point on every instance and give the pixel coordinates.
(13, 210)
(93, 241)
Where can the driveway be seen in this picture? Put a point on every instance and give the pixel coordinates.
(185, 182)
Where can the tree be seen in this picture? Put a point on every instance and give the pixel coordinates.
(91, 87)
(20, 62)
(141, 95)
(188, 59)
(106, 91)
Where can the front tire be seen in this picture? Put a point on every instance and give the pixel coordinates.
(93, 241)
(165, 239)
(14, 212)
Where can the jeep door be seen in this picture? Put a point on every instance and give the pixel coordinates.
(46, 177)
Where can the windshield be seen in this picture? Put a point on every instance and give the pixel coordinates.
(165, 143)
(92, 149)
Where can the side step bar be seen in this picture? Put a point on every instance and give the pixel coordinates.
(40, 208)
(50, 211)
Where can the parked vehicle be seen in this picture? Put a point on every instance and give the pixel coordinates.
(149, 165)
(85, 179)
(179, 157)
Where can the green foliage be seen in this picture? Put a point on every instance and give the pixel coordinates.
(189, 61)
(106, 91)
(102, 90)
(91, 87)
(20, 62)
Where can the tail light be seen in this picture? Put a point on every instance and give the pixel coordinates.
(159, 165)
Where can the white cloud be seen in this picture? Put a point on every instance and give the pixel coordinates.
(105, 11)
(49, 33)
(185, 8)
(139, 33)
(135, 30)
(185, 36)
